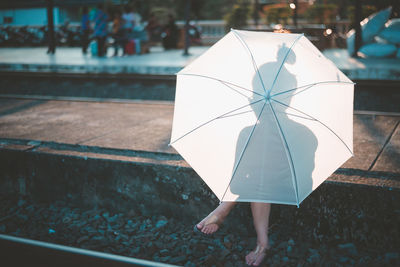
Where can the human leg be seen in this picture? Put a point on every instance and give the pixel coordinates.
(85, 41)
(211, 223)
(101, 46)
(260, 213)
(116, 45)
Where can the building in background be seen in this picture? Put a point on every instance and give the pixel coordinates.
(33, 12)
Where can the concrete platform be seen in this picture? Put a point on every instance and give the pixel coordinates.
(140, 131)
(160, 62)
(365, 68)
(72, 61)
(115, 155)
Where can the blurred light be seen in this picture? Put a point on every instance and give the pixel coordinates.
(292, 6)
(278, 27)
(328, 32)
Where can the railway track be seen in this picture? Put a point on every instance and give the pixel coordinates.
(18, 251)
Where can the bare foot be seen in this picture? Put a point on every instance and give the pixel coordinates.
(210, 224)
(255, 257)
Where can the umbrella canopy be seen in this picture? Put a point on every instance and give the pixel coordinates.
(263, 117)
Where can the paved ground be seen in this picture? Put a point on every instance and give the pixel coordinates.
(160, 62)
(146, 126)
(71, 60)
(365, 68)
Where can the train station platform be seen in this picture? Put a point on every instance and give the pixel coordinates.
(72, 61)
(140, 131)
(114, 155)
(165, 63)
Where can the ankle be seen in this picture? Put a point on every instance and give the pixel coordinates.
(225, 208)
(263, 244)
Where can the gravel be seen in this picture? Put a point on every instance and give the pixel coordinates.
(164, 239)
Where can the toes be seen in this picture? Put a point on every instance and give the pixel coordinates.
(250, 258)
(258, 261)
(209, 229)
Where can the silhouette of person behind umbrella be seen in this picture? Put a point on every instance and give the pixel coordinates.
(265, 142)
(263, 146)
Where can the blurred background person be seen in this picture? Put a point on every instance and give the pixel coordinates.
(128, 18)
(100, 30)
(118, 32)
(85, 28)
(153, 29)
(170, 34)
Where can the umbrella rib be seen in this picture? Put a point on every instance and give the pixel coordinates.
(283, 104)
(216, 118)
(231, 115)
(309, 86)
(224, 83)
(244, 149)
(283, 62)
(294, 115)
(253, 61)
(288, 154)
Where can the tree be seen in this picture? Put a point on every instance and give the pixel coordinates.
(238, 16)
(321, 13)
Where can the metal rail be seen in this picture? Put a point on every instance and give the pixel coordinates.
(18, 251)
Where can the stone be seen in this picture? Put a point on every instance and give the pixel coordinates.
(112, 219)
(189, 264)
(314, 258)
(159, 244)
(135, 250)
(164, 252)
(224, 253)
(161, 223)
(66, 220)
(217, 242)
(82, 239)
(349, 249)
(178, 259)
(21, 202)
(165, 259)
(391, 257)
(282, 245)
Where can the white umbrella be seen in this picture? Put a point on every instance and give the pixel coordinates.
(263, 117)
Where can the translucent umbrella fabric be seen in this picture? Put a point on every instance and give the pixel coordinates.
(263, 117)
